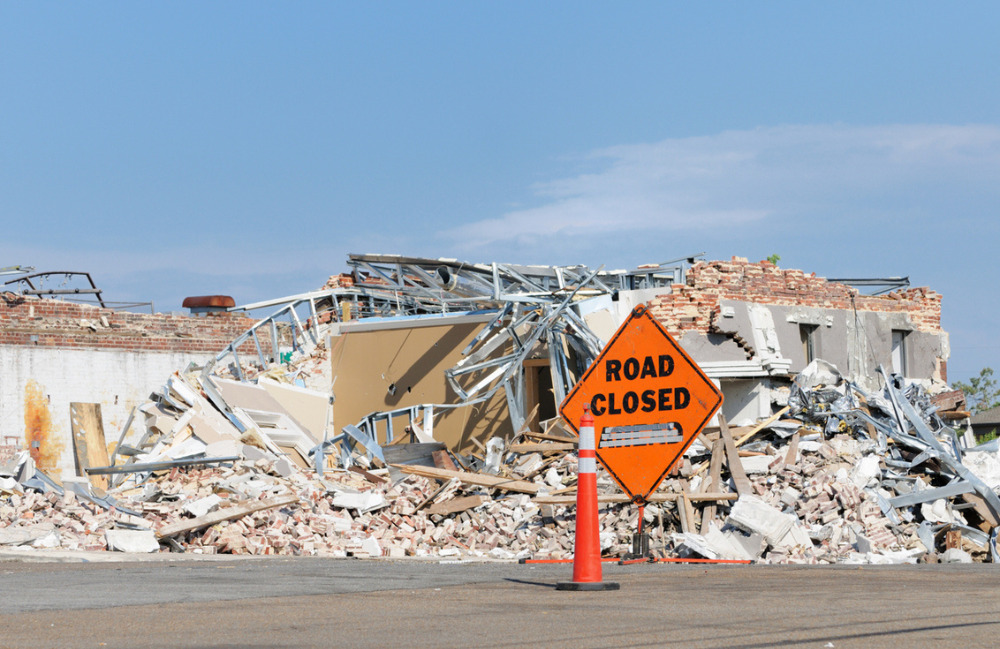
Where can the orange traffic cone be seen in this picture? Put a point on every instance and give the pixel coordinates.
(587, 547)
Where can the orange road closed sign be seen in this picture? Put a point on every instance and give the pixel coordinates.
(649, 400)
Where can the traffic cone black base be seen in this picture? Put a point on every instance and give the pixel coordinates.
(587, 585)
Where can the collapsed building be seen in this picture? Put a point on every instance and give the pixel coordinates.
(454, 372)
(507, 343)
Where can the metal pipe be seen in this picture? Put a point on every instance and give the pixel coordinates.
(145, 467)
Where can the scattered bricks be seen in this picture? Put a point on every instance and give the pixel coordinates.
(828, 514)
(868, 510)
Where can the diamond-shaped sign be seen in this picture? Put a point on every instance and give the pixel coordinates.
(649, 401)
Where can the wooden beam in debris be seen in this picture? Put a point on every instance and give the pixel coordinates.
(762, 425)
(982, 509)
(743, 487)
(542, 447)
(367, 475)
(686, 509)
(442, 460)
(623, 498)
(227, 514)
(714, 481)
(479, 479)
(89, 446)
(792, 456)
(548, 436)
(457, 505)
(437, 492)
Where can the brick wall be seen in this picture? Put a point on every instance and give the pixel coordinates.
(49, 323)
(694, 305)
(343, 280)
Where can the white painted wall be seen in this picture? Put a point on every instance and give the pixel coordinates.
(118, 380)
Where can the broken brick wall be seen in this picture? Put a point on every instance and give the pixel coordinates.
(54, 352)
(714, 313)
(694, 306)
(64, 325)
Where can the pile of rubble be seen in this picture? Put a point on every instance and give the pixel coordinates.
(848, 476)
(837, 475)
(262, 507)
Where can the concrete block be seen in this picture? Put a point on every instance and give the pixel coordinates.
(120, 540)
(754, 515)
(203, 506)
(954, 555)
(361, 502)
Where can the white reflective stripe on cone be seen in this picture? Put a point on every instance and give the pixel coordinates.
(587, 465)
(587, 439)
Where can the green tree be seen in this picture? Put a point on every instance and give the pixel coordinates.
(981, 392)
(774, 259)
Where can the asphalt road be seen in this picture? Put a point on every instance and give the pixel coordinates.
(349, 603)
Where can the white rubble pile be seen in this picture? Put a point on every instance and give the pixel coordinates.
(844, 477)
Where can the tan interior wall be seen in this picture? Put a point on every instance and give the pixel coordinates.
(366, 363)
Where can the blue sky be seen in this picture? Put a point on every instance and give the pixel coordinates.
(246, 148)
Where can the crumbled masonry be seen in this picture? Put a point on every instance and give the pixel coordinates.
(247, 453)
(842, 476)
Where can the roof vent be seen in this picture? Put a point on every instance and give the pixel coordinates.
(208, 303)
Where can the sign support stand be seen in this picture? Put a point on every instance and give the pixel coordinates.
(640, 542)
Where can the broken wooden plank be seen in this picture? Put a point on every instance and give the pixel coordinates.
(229, 513)
(623, 498)
(89, 447)
(547, 436)
(367, 475)
(479, 479)
(739, 476)
(762, 425)
(715, 467)
(546, 463)
(437, 492)
(443, 461)
(418, 453)
(982, 509)
(714, 481)
(688, 510)
(457, 505)
(792, 456)
(542, 447)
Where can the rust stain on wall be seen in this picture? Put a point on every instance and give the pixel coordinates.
(41, 440)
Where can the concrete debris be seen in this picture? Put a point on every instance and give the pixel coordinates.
(123, 540)
(954, 555)
(844, 476)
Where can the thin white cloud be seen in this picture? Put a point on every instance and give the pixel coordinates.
(740, 177)
(222, 261)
